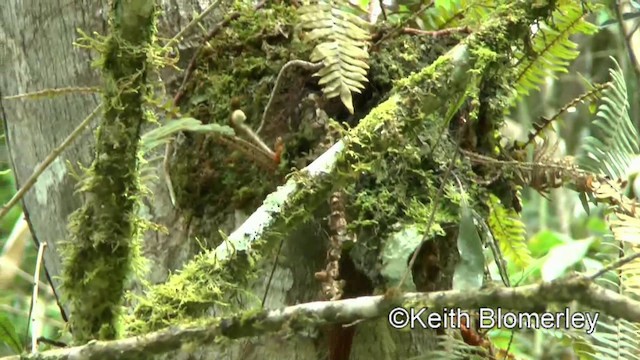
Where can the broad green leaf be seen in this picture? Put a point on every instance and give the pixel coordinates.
(563, 257)
(469, 271)
(396, 254)
(542, 242)
(8, 334)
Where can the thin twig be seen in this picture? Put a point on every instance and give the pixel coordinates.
(437, 33)
(614, 265)
(47, 161)
(506, 352)
(383, 10)
(34, 298)
(192, 24)
(526, 165)
(629, 34)
(279, 84)
(54, 92)
(402, 26)
(273, 271)
(51, 342)
(168, 150)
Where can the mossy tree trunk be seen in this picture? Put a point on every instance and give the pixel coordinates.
(38, 53)
(217, 187)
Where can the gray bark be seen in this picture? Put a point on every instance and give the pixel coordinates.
(36, 54)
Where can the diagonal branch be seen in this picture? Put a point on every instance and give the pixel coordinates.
(421, 96)
(47, 161)
(305, 189)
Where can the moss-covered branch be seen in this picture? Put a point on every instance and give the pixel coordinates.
(190, 293)
(103, 232)
(528, 299)
(426, 97)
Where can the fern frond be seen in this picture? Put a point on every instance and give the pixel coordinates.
(440, 14)
(616, 338)
(630, 274)
(544, 123)
(552, 48)
(342, 48)
(446, 14)
(509, 231)
(626, 228)
(613, 148)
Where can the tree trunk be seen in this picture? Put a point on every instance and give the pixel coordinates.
(38, 54)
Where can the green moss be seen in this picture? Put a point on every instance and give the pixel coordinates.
(402, 55)
(400, 173)
(103, 247)
(207, 281)
(212, 180)
(391, 170)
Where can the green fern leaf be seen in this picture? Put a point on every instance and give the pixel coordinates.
(509, 231)
(616, 143)
(626, 228)
(611, 151)
(342, 47)
(441, 15)
(448, 13)
(615, 338)
(552, 47)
